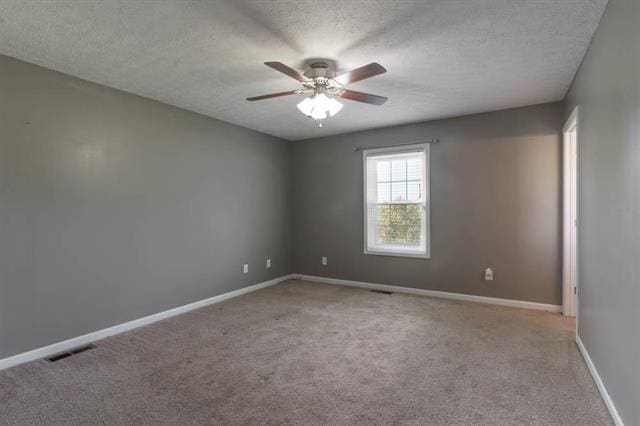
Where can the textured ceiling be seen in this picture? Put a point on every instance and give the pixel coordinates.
(444, 57)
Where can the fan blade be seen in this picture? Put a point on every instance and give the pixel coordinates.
(273, 95)
(279, 66)
(367, 98)
(361, 73)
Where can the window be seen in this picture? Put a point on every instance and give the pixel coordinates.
(396, 188)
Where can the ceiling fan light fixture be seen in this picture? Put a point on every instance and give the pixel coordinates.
(323, 86)
(319, 106)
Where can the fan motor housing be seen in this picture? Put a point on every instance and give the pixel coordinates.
(319, 69)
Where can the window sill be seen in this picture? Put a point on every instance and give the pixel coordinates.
(399, 254)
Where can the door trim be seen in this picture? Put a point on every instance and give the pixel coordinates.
(570, 215)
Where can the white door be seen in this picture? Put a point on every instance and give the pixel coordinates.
(570, 222)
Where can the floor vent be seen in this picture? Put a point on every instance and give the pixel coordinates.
(72, 352)
(59, 357)
(381, 291)
(82, 349)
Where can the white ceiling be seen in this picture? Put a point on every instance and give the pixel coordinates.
(444, 57)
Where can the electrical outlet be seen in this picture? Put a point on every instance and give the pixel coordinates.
(324, 261)
(268, 263)
(488, 274)
(245, 268)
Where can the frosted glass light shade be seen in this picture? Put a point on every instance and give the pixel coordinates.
(306, 106)
(319, 106)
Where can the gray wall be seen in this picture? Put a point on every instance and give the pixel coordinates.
(495, 196)
(607, 93)
(113, 207)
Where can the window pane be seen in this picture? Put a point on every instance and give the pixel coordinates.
(399, 191)
(414, 168)
(398, 224)
(383, 170)
(414, 191)
(384, 193)
(399, 169)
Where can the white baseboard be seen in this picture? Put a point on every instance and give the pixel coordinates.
(435, 293)
(101, 334)
(599, 383)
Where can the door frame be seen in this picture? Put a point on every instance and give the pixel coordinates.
(570, 215)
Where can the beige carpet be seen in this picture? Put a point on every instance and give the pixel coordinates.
(306, 353)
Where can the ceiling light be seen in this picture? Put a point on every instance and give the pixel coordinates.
(322, 85)
(319, 106)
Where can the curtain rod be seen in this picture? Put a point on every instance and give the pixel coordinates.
(361, 148)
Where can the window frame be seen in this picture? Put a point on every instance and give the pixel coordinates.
(426, 202)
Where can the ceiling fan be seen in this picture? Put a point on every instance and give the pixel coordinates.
(323, 86)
